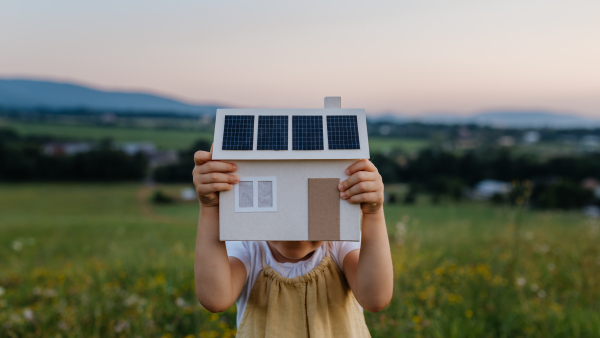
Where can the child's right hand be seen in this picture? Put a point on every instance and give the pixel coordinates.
(210, 177)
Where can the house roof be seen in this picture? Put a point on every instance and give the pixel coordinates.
(290, 134)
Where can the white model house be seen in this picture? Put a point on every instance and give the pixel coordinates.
(290, 162)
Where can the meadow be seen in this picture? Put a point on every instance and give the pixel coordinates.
(100, 260)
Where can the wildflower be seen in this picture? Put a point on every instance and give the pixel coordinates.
(416, 319)
(17, 245)
(551, 266)
(529, 235)
(469, 313)
(534, 287)
(62, 325)
(541, 294)
(180, 302)
(2, 291)
(28, 314)
(521, 281)
(121, 326)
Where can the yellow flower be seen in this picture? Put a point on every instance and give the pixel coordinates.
(416, 319)
(469, 313)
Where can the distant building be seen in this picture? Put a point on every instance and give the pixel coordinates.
(488, 188)
(506, 141)
(593, 185)
(531, 137)
(132, 148)
(163, 157)
(66, 148)
(590, 142)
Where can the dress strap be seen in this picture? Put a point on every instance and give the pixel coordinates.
(262, 255)
(327, 244)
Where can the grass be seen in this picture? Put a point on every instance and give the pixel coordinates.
(163, 138)
(98, 260)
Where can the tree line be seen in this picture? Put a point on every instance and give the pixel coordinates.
(22, 158)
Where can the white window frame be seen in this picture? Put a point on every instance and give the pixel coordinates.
(255, 180)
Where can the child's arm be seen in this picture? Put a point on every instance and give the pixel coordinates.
(369, 270)
(219, 278)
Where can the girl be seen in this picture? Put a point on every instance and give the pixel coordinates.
(294, 289)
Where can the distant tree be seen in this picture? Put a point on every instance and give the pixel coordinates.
(182, 170)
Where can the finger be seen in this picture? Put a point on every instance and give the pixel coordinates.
(362, 187)
(218, 178)
(360, 176)
(368, 197)
(217, 166)
(214, 187)
(364, 165)
(201, 157)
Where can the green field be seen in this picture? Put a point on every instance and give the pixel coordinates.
(101, 261)
(167, 138)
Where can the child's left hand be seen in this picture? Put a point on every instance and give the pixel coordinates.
(364, 186)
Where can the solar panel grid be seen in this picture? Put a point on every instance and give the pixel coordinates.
(272, 132)
(307, 132)
(342, 132)
(238, 133)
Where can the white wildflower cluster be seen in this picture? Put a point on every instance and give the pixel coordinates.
(541, 248)
(401, 230)
(48, 293)
(122, 326)
(19, 243)
(180, 302)
(135, 300)
(521, 281)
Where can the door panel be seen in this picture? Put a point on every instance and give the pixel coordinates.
(323, 209)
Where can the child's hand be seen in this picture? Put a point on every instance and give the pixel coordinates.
(364, 186)
(210, 178)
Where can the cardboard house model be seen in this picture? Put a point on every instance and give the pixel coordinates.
(290, 162)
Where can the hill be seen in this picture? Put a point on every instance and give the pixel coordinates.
(24, 94)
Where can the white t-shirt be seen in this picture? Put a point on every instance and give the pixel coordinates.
(249, 253)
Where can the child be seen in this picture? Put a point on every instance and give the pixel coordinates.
(294, 289)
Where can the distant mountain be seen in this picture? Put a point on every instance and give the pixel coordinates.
(499, 119)
(32, 94)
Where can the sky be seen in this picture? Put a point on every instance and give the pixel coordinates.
(412, 57)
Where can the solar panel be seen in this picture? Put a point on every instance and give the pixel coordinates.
(272, 133)
(238, 133)
(342, 132)
(307, 132)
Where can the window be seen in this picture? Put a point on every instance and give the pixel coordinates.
(307, 132)
(238, 133)
(256, 194)
(342, 132)
(272, 132)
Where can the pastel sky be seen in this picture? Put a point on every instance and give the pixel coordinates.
(413, 57)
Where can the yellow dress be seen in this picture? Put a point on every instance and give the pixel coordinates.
(317, 304)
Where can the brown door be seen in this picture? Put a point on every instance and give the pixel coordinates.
(323, 209)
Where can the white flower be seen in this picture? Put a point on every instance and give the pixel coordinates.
(28, 314)
(541, 294)
(63, 326)
(17, 245)
(180, 302)
(534, 287)
(121, 326)
(2, 291)
(551, 266)
(521, 281)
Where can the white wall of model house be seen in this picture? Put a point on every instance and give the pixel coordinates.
(271, 202)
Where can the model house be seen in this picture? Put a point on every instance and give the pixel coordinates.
(290, 162)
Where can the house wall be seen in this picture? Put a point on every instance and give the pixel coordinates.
(290, 221)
